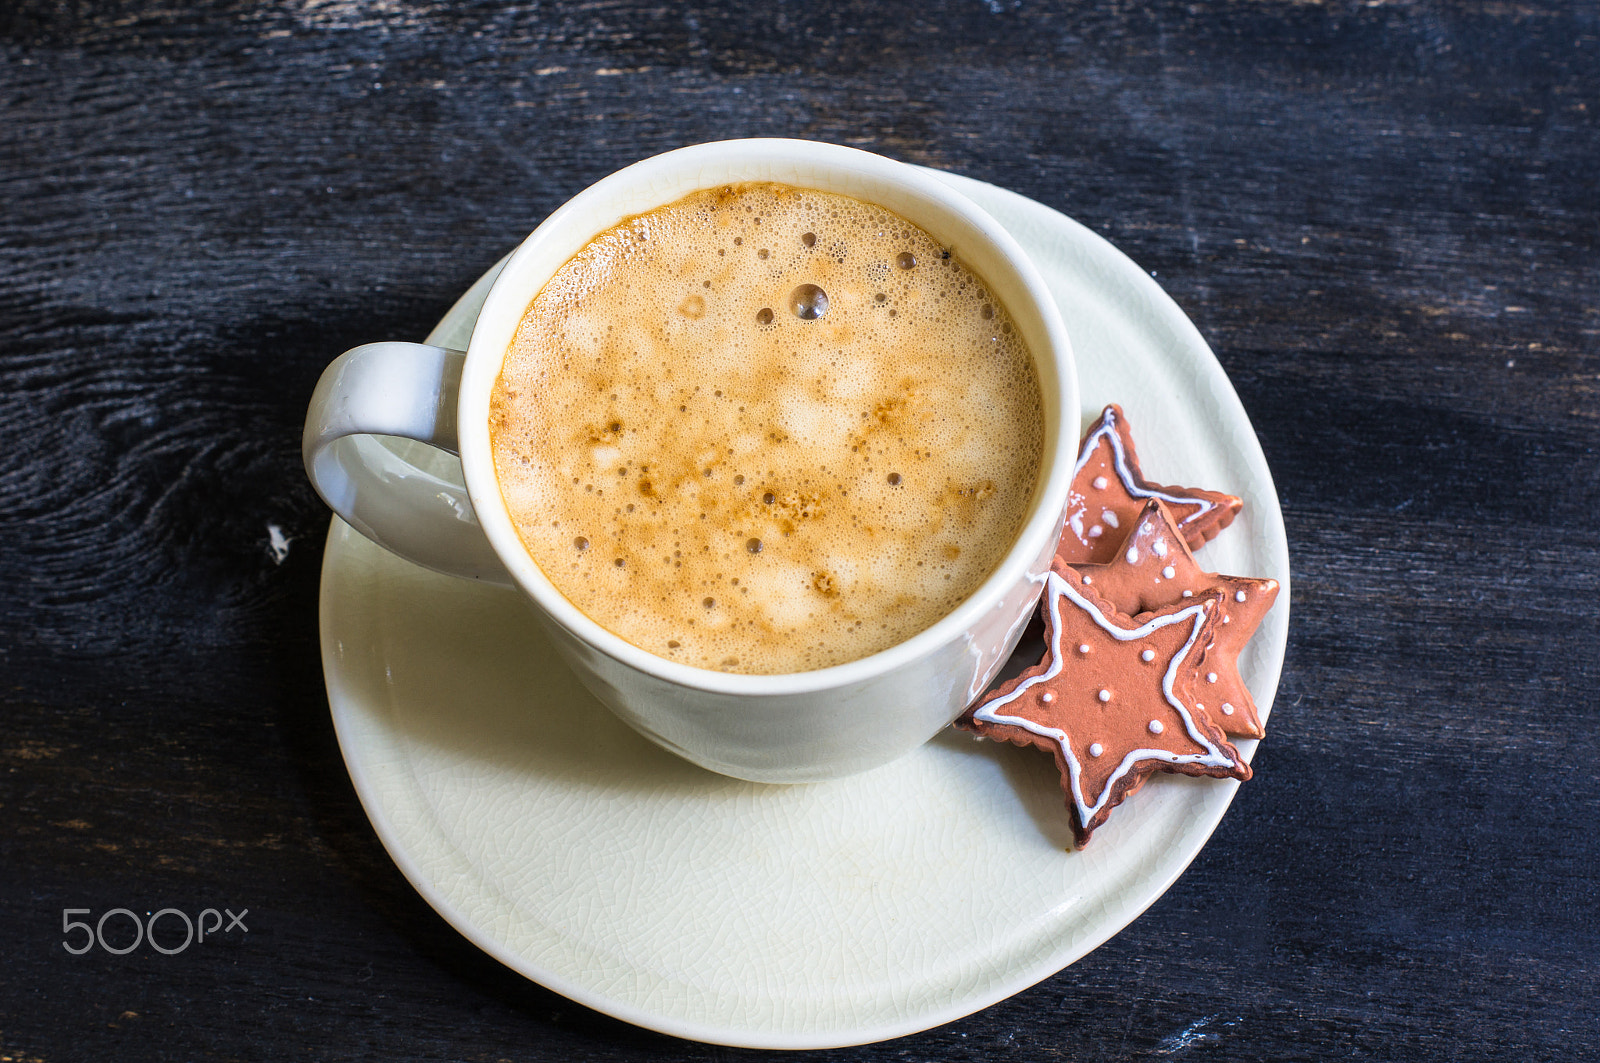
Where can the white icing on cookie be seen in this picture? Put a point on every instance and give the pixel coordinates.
(1057, 590)
(1108, 429)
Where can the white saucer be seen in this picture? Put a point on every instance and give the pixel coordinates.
(595, 864)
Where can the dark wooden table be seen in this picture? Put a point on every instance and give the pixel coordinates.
(1382, 216)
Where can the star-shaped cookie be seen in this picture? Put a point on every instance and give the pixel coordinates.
(1113, 699)
(1108, 490)
(1154, 569)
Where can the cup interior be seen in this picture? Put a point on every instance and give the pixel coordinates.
(916, 195)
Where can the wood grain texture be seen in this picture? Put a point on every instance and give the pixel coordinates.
(1382, 216)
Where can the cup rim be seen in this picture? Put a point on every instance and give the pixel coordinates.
(665, 178)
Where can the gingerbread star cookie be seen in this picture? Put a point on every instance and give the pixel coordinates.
(1154, 569)
(1108, 490)
(1113, 699)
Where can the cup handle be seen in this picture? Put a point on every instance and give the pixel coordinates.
(407, 390)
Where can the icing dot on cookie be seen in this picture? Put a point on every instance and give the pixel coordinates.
(1238, 596)
(1095, 749)
(1104, 695)
(1227, 709)
(1108, 517)
(1133, 555)
(1083, 647)
(1155, 727)
(1170, 572)
(1047, 697)
(1096, 531)
(1188, 594)
(1100, 483)
(1087, 581)
(1211, 677)
(1159, 546)
(1147, 656)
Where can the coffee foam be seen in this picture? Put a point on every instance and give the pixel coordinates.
(726, 482)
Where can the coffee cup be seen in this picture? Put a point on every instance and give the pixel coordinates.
(796, 726)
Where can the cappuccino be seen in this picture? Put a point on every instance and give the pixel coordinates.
(766, 429)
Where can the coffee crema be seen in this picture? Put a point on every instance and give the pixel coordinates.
(766, 429)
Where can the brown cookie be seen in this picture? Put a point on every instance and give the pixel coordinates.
(1112, 699)
(1108, 491)
(1154, 569)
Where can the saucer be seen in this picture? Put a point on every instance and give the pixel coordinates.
(592, 862)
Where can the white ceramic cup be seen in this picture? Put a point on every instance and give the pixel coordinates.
(796, 727)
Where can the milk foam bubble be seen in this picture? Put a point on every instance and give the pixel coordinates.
(735, 478)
